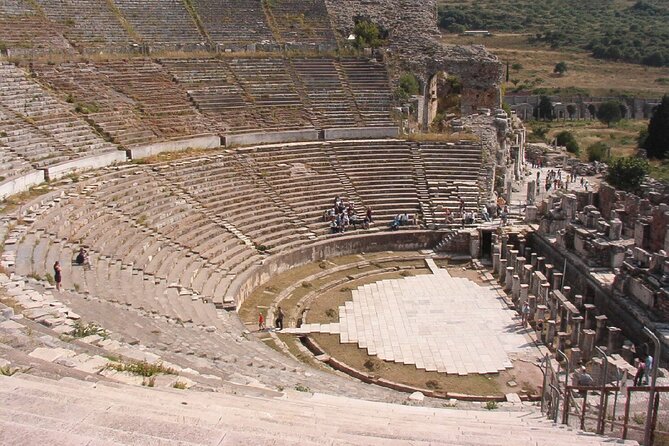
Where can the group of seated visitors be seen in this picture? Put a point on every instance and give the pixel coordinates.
(342, 216)
(402, 219)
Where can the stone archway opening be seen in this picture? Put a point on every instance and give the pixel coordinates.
(444, 99)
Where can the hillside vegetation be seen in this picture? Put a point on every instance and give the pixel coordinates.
(620, 30)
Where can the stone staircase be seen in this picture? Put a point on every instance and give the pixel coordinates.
(429, 217)
(71, 411)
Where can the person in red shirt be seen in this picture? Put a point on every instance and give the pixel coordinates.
(261, 322)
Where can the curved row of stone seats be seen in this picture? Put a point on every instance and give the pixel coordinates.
(369, 82)
(25, 142)
(302, 21)
(329, 98)
(232, 23)
(71, 411)
(115, 114)
(303, 176)
(11, 164)
(40, 127)
(452, 171)
(164, 104)
(382, 175)
(161, 22)
(271, 89)
(88, 24)
(24, 31)
(215, 91)
(230, 189)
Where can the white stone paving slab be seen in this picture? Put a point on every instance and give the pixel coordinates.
(437, 322)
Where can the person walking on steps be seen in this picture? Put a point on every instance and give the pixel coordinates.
(57, 276)
(279, 319)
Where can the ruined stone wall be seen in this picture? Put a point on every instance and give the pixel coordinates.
(414, 47)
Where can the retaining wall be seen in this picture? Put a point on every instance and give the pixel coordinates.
(197, 142)
(361, 133)
(21, 184)
(250, 139)
(246, 282)
(89, 162)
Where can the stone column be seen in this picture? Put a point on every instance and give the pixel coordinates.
(562, 340)
(550, 333)
(578, 302)
(576, 324)
(616, 229)
(541, 263)
(513, 254)
(587, 344)
(564, 318)
(566, 290)
(533, 306)
(495, 262)
(533, 260)
(601, 327)
(527, 274)
(574, 358)
(524, 288)
(544, 289)
(521, 245)
(520, 263)
(627, 353)
(515, 288)
(589, 321)
(502, 271)
(540, 315)
(557, 281)
(505, 240)
(614, 340)
(549, 272)
(508, 279)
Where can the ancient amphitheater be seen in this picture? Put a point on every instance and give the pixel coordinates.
(192, 148)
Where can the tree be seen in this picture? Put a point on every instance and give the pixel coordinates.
(408, 86)
(623, 110)
(598, 151)
(566, 138)
(545, 108)
(657, 140)
(609, 112)
(560, 68)
(571, 109)
(517, 66)
(368, 35)
(592, 110)
(627, 173)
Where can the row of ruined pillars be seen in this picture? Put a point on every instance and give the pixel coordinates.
(563, 320)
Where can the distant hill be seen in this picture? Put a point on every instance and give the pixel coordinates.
(630, 31)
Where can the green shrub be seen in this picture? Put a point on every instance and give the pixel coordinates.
(598, 151)
(566, 139)
(408, 86)
(368, 35)
(627, 173)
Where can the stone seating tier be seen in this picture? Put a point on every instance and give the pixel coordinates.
(232, 23)
(87, 23)
(76, 412)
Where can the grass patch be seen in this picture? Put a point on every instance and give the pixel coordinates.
(82, 330)
(180, 385)
(142, 368)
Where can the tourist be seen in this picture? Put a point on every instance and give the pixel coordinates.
(525, 314)
(640, 372)
(649, 367)
(279, 319)
(82, 257)
(584, 380)
(261, 322)
(447, 216)
(484, 213)
(368, 213)
(505, 215)
(333, 226)
(57, 277)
